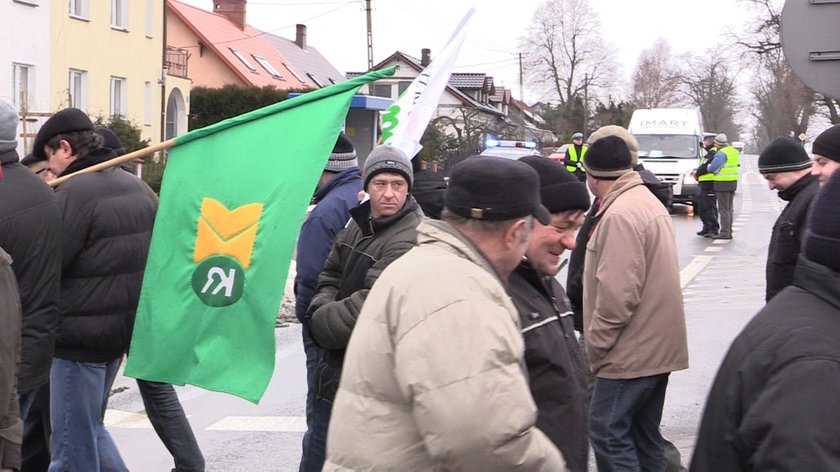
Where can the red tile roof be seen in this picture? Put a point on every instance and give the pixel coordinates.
(222, 37)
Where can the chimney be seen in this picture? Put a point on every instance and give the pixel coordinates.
(300, 36)
(424, 58)
(233, 10)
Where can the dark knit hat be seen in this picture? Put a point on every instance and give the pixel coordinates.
(822, 239)
(386, 158)
(559, 189)
(608, 158)
(494, 189)
(343, 155)
(111, 140)
(827, 143)
(9, 120)
(65, 121)
(621, 132)
(783, 155)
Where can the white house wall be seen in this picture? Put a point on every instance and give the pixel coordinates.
(26, 25)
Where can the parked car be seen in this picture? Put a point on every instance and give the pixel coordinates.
(559, 155)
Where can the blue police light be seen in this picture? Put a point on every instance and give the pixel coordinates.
(530, 144)
(491, 142)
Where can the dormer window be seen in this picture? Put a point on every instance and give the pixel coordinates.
(242, 58)
(267, 66)
(292, 71)
(314, 80)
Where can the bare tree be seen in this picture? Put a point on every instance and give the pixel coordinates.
(708, 82)
(563, 51)
(777, 89)
(784, 106)
(656, 78)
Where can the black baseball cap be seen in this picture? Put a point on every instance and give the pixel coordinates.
(495, 189)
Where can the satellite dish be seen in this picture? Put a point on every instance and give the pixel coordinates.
(811, 41)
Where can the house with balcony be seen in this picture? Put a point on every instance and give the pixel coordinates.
(105, 58)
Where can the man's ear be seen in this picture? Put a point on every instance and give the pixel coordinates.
(515, 234)
(66, 147)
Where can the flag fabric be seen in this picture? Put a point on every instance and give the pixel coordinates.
(233, 198)
(405, 121)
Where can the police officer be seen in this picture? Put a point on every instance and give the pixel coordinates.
(574, 157)
(724, 166)
(706, 201)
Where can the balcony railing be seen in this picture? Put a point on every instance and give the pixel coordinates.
(176, 61)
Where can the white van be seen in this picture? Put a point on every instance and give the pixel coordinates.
(670, 146)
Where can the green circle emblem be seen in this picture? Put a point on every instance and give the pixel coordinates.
(218, 281)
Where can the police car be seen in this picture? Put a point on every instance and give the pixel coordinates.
(509, 149)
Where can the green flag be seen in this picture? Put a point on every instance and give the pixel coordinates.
(232, 201)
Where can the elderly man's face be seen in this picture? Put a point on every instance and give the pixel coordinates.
(549, 242)
(388, 192)
(824, 168)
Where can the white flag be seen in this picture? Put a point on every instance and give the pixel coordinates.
(405, 121)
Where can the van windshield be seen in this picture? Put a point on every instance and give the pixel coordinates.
(668, 146)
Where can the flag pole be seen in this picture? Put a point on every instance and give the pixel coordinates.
(116, 161)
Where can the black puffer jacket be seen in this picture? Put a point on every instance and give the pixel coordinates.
(786, 239)
(773, 405)
(359, 255)
(30, 231)
(108, 218)
(557, 373)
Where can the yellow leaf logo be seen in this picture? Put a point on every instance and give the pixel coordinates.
(227, 232)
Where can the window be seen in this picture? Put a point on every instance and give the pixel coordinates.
(244, 61)
(23, 76)
(147, 105)
(402, 85)
(78, 89)
(267, 66)
(382, 90)
(292, 71)
(118, 96)
(314, 80)
(150, 28)
(119, 14)
(332, 81)
(79, 8)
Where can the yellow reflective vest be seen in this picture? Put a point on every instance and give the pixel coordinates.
(573, 157)
(707, 177)
(729, 171)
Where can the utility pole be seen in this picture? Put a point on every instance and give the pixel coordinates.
(369, 35)
(521, 81)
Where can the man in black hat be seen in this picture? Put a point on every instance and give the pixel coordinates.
(786, 167)
(107, 224)
(381, 230)
(557, 373)
(773, 404)
(434, 373)
(826, 151)
(337, 193)
(633, 315)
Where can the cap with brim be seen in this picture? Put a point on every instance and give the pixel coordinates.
(65, 121)
(495, 189)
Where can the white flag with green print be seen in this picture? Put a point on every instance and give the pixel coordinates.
(405, 121)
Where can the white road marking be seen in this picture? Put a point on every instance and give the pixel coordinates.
(693, 268)
(714, 249)
(274, 424)
(127, 420)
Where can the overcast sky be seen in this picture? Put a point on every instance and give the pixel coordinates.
(337, 28)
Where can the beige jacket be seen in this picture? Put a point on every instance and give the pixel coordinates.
(633, 316)
(434, 376)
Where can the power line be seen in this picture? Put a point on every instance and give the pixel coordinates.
(262, 33)
(512, 59)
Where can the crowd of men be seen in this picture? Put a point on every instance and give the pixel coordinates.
(436, 334)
